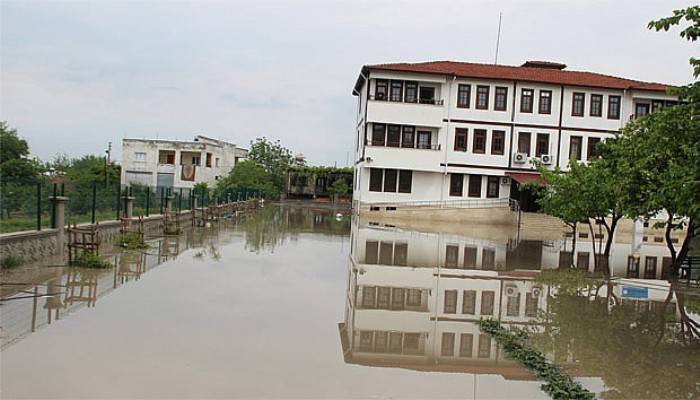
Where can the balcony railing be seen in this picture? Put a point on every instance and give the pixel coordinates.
(513, 205)
(420, 146)
(435, 102)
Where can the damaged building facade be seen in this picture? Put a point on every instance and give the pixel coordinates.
(177, 164)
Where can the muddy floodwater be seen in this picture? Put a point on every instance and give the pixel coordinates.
(302, 303)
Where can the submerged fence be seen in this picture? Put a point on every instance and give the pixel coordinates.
(32, 207)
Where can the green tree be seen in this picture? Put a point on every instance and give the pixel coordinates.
(12, 147)
(339, 189)
(275, 159)
(247, 176)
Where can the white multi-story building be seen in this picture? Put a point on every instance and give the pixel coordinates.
(443, 130)
(177, 164)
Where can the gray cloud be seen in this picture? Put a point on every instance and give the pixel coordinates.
(76, 75)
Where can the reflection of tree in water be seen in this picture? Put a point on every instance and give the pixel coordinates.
(271, 227)
(640, 349)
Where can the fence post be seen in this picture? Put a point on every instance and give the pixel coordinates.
(94, 200)
(38, 206)
(119, 202)
(53, 207)
(179, 202)
(148, 200)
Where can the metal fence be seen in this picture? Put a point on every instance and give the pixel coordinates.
(469, 203)
(32, 207)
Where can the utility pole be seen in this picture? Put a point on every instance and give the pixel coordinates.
(107, 160)
(498, 37)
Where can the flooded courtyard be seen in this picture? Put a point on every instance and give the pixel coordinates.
(292, 302)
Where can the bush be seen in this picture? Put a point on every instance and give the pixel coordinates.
(132, 241)
(10, 262)
(91, 260)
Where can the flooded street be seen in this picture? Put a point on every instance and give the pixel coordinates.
(299, 303)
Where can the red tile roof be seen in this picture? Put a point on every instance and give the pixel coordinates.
(545, 73)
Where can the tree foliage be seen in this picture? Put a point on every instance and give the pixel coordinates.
(247, 176)
(274, 158)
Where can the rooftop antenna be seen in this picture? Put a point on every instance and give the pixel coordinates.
(498, 37)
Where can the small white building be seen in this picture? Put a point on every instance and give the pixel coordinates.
(451, 131)
(177, 164)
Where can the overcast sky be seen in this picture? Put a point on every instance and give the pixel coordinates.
(78, 75)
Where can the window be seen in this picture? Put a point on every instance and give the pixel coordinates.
(411, 95)
(408, 138)
(575, 148)
(461, 135)
(451, 256)
(582, 260)
(405, 181)
(578, 104)
(395, 342)
(466, 342)
(565, 259)
(501, 99)
(380, 342)
(526, 100)
(487, 297)
(383, 294)
(209, 160)
(482, 97)
(378, 132)
(464, 93)
(426, 95)
(216, 162)
(390, 180)
(393, 136)
(410, 343)
(396, 93)
(591, 151)
(386, 253)
(139, 156)
(656, 105)
(469, 257)
(469, 302)
(397, 295)
(524, 142)
(513, 305)
(492, 187)
(641, 109)
(596, 105)
(479, 145)
(613, 107)
(488, 259)
(381, 88)
(545, 102)
(365, 340)
(371, 251)
(450, 302)
(456, 184)
(424, 139)
(531, 305)
(542, 144)
(498, 139)
(474, 186)
(484, 346)
(400, 253)
(650, 267)
(375, 179)
(414, 298)
(447, 347)
(369, 296)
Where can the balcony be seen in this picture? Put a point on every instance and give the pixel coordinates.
(429, 112)
(430, 101)
(419, 146)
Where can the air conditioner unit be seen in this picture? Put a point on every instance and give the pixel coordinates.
(536, 292)
(511, 290)
(520, 158)
(546, 159)
(505, 180)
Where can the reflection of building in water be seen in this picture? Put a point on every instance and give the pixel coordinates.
(414, 300)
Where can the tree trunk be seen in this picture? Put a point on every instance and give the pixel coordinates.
(691, 233)
(669, 228)
(573, 244)
(595, 257)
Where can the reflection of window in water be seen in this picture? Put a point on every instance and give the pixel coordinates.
(484, 346)
(371, 249)
(448, 344)
(380, 342)
(451, 256)
(366, 341)
(531, 305)
(414, 297)
(487, 297)
(632, 267)
(369, 296)
(400, 253)
(469, 302)
(565, 258)
(513, 305)
(450, 302)
(466, 343)
(387, 253)
(488, 259)
(383, 297)
(395, 342)
(582, 260)
(411, 343)
(469, 257)
(397, 299)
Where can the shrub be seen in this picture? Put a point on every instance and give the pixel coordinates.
(132, 241)
(10, 262)
(91, 260)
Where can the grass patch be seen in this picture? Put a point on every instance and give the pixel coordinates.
(558, 385)
(132, 241)
(91, 260)
(10, 262)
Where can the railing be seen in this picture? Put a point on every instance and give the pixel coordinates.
(470, 203)
(420, 146)
(435, 102)
(690, 269)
